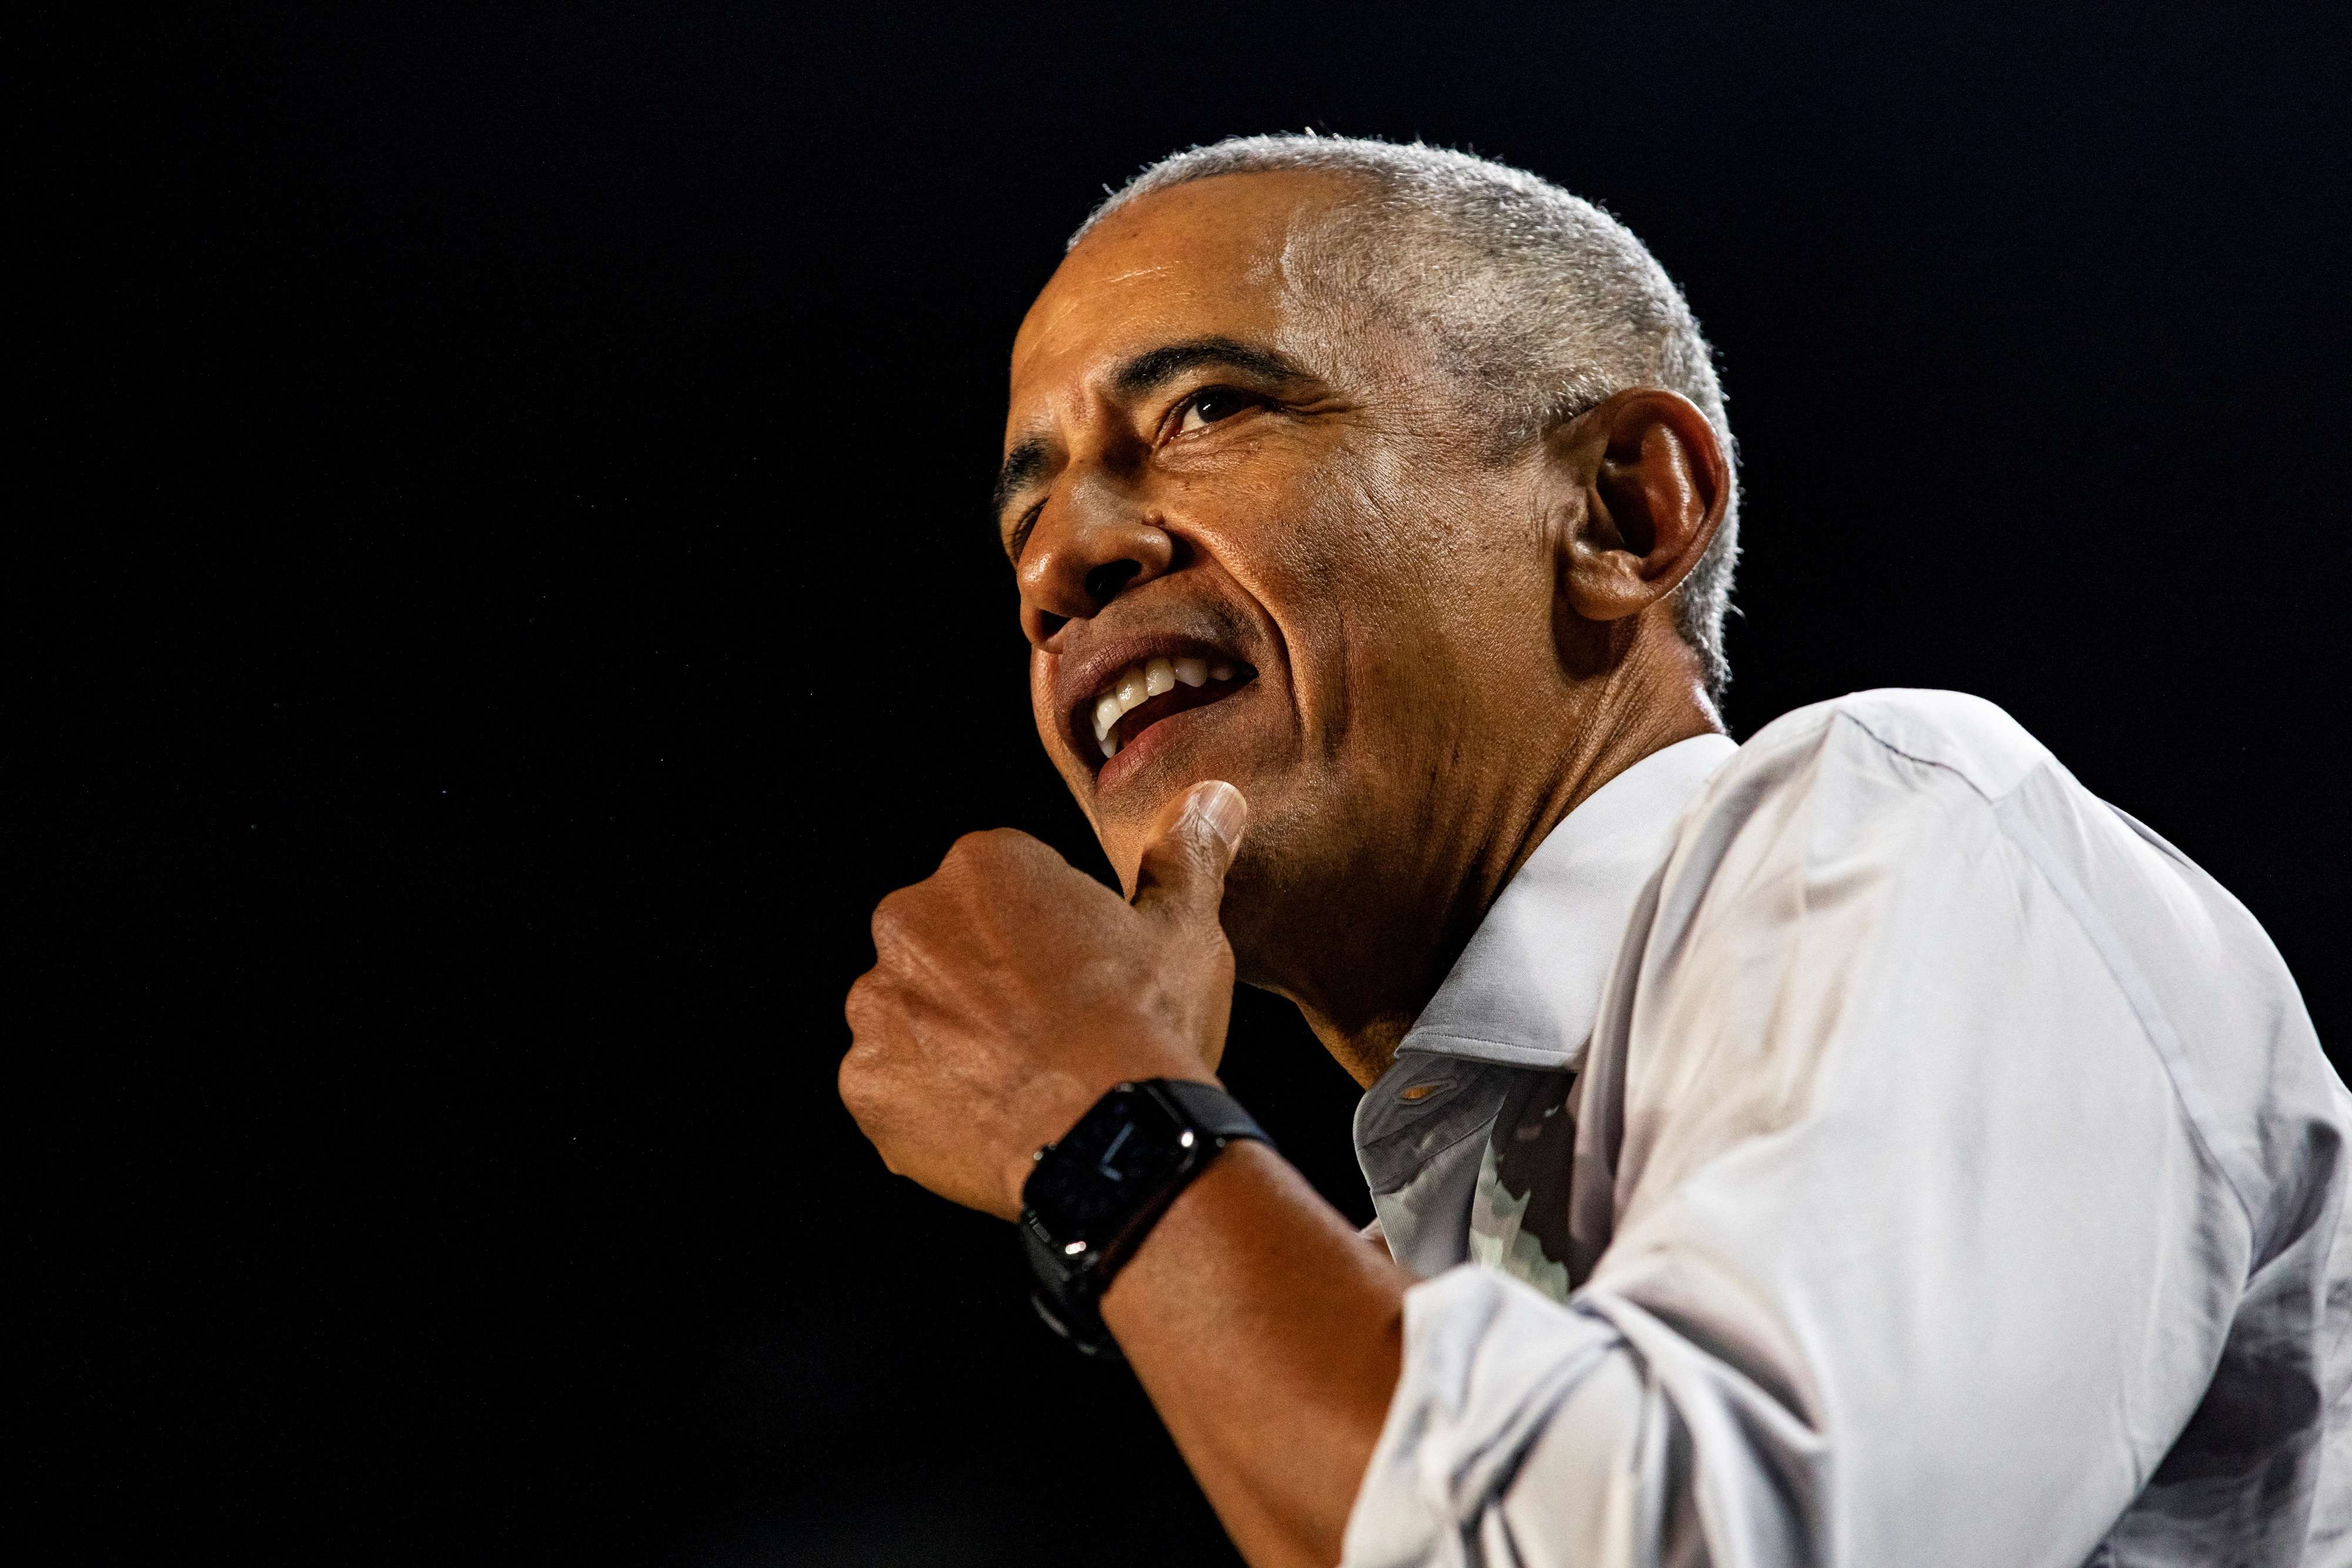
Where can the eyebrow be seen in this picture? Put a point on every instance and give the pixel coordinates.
(1022, 465)
(1139, 377)
(1155, 367)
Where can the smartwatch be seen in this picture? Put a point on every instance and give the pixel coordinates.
(1097, 1191)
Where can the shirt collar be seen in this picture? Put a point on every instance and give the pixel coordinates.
(1527, 989)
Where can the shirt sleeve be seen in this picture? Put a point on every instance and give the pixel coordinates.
(1914, 1255)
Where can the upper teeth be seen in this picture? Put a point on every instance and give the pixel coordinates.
(1140, 683)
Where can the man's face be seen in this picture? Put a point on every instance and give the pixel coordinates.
(1255, 541)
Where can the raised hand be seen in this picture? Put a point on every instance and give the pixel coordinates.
(1010, 990)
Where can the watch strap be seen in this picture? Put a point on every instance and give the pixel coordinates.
(1069, 1312)
(1214, 1113)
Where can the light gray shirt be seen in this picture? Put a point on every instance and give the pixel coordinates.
(1863, 1147)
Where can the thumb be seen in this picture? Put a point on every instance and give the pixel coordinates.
(1181, 876)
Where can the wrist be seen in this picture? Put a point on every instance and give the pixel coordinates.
(1243, 1165)
(1070, 1105)
(1094, 1195)
(1055, 1107)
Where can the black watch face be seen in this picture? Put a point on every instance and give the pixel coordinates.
(1110, 1162)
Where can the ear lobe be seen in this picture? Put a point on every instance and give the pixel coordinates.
(1654, 495)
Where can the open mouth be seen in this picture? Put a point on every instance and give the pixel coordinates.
(1149, 690)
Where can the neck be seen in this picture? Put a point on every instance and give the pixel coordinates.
(1362, 992)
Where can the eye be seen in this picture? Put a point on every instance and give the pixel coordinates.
(1209, 405)
(1018, 539)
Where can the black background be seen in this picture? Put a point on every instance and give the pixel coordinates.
(529, 593)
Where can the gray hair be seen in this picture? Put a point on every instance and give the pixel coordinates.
(1546, 302)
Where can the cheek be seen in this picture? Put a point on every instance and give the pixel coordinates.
(1316, 559)
(1380, 537)
(1352, 585)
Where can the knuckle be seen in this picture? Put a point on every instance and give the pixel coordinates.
(876, 1010)
(987, 845)
(859, 1082)
(859, 1004)
(868, 1011)
(891, 922)
(850, 1083)
(972, 849)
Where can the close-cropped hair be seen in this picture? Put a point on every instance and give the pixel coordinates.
(1545, 304)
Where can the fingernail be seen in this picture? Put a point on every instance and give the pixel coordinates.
(1225, 811)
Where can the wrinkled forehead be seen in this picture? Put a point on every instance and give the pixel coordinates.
(1218, 257)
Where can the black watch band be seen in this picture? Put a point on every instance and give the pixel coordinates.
(1097, 1190)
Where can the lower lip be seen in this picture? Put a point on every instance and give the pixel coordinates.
(1138, 752)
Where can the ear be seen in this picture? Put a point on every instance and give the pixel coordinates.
(1648, 483)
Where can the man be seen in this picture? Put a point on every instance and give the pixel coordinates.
(1858, 1146)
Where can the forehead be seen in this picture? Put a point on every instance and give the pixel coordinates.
(1213, 258)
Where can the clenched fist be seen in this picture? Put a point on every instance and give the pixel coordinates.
(1010, 990)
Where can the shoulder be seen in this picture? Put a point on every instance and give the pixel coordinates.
(1927, 835)
(1905, 772)
(1964, 740)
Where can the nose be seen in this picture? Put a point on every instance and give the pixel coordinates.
(1092, 543)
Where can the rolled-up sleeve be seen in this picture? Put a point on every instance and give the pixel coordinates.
(1916, 1251)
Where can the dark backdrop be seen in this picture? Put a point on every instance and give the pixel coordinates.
(531, 595)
